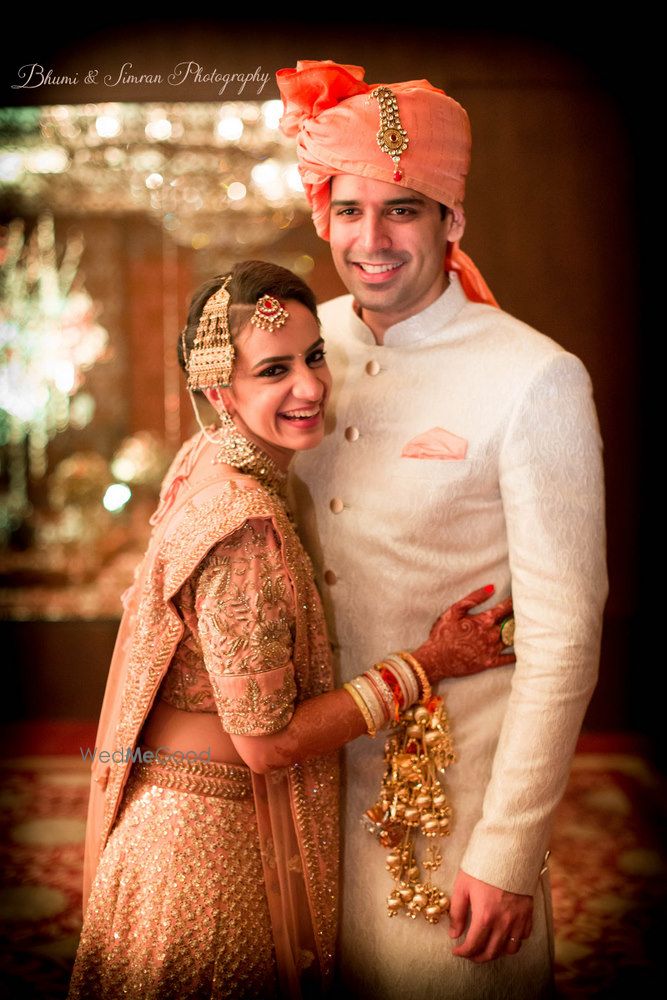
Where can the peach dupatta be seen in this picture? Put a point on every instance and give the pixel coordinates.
(297, 806)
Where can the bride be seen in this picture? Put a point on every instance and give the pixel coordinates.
(211, 865)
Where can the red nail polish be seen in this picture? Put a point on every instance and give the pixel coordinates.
(489, 589)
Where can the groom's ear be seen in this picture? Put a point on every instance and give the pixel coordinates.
(457, 224)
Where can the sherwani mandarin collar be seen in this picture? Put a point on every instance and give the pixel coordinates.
(423, 325)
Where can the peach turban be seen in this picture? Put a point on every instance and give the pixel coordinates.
(329, 107)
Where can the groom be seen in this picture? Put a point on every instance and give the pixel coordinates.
(464, 449)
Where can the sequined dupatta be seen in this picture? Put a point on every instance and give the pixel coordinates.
(296, 807)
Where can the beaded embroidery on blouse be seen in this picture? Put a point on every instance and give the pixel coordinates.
(239, 619)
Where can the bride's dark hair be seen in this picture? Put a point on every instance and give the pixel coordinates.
(250, 280)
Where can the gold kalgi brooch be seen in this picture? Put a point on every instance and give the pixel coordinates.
(391, 137)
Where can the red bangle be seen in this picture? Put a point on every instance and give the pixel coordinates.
(388, 677)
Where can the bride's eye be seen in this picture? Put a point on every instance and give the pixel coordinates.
(317, 357)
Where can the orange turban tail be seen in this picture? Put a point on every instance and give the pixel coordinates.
(329, 108)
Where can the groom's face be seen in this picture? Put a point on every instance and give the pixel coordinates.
(388, 244)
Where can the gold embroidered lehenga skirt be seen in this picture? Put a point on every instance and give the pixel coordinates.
(178, 907)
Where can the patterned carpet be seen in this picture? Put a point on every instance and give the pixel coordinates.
(608, 868)
(609, 876)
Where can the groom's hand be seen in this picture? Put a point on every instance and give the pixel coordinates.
(499, 920)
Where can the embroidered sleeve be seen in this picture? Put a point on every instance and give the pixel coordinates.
(245, 610)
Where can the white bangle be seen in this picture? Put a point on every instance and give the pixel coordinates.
(405, 672)
(385, 691)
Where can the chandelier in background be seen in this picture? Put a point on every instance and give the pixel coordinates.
(218, 175)
(49, 339)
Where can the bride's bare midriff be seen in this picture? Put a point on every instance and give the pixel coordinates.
(172, 730)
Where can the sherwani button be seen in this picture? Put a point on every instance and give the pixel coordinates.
(336, 505)
(373, 367)
(352, 433)
(330, 577)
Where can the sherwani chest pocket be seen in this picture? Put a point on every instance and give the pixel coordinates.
(434, 476)
(431, 470)
(414, 496)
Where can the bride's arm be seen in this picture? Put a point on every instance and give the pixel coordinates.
(246, 627)
(319, 726)
(459, 644)
(244, 602)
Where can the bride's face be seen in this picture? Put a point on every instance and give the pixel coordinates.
(280, 384)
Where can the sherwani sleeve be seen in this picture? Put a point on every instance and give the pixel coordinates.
(245, 610)
(551, 482)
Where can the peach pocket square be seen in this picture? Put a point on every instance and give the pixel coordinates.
(436, 443)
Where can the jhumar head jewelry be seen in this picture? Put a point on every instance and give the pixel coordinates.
(211, 359)
(391, 137)
(269, 314)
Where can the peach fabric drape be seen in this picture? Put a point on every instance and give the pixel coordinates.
(297, 806)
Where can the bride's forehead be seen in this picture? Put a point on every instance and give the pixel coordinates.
(298, 333)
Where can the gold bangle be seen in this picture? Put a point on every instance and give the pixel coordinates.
(363, 708)
(421, 674)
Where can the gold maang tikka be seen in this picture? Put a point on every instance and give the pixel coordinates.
(211, 359)
(391, 136)
(269, 314)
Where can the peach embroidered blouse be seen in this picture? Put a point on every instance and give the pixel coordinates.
(235, 655)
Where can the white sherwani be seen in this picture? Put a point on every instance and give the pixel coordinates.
(395, 540)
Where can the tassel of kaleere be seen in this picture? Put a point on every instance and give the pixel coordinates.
(411, 804)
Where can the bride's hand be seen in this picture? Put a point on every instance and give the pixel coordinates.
(460, 643)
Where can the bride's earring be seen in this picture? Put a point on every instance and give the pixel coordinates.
(237, 451)
(226, 421)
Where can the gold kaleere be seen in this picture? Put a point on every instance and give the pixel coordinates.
(412, 804)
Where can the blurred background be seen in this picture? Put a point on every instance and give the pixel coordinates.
(140, 156)
(117, 198)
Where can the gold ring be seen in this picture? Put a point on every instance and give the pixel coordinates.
(507, 631)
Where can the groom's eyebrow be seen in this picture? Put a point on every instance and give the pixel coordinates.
(351, 202)
(287, 357)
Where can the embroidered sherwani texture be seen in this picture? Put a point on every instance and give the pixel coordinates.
(200, 879)
(508, 491)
